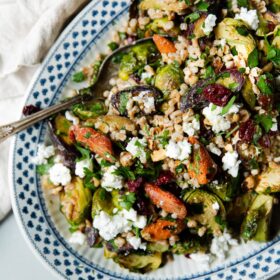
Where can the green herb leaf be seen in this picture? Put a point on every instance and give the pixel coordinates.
(78, 77)
(113, 46)
(122, 35)
(43, 169)
(234, 51)
(202, 6)
(265, 121)
(164, 138)
(242, 3)
(124, 172)
(128, 200)
(242, 30)
(264, 85)
(253, 59)
(123, 102)
(180, 168)
(228, 106)
(192, 17)
(89, 175)
(85, 154)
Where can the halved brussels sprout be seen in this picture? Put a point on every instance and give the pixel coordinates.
(202, 208)
(256, 223)
(158, 25)
(231, 79)
(190, 246)
(91, 109)
(108, 122)
(121, 98)
(159, 246)
(227, 189)
(248, 94)
(140, 262)
(197, 30)
(138, 57)
(176, 6)
(104, 201)
(227, 29)
(269, 180)
(75, 202)
(169, 77)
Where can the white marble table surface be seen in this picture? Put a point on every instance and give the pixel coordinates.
(17, 262)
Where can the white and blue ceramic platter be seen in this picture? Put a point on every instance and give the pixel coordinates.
(38, 216)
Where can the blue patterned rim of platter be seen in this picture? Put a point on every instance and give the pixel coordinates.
(27, 196)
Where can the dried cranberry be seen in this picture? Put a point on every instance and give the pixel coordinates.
(217, 94)
(30, 109)
(271, 26)
(72, 135)
(246, 131)
(265, 101)
(142, 205)
(164, 178)
(265, 141)
(134, 185)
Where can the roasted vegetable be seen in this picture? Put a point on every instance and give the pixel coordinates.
(158, 25)
(248, 94)
(102, 201)
(228, 29)
(227, 189)
(162, 230)
(269, 180)
(163, 44)
(94, 141)
(141, 262)
(59, 131)
(231, 79)
(121, 98)
(190, 246)
(256, 223)
(158, 246)
(207, 209)
(197, 29)
(75, 202)
(176, 6)
(90, 109)
(201, 166)
(169, 78)
(139, 56)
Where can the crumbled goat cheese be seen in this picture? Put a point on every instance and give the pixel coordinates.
(214, 149)
(191, 127)
(60, 174)
(43, 153)
(221, 245)
(110, 180)
(81, 165)
(110, 226)
(250, 17)
(231, 163)
(147, 100)
(70, 117)
(136, 243)
(77, 238)
(209, 24)
(274, 125)
(180, 150)
(216, 206)
(137, 147)
(219, 122)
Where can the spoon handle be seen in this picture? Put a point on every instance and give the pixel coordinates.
(10, 129)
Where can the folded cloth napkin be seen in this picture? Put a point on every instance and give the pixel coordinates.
(28, 28)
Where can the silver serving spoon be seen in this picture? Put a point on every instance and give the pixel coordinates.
(107, 70)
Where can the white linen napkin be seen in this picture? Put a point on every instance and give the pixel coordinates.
(28, 28)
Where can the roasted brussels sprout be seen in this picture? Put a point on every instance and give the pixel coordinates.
(189, 246)
(269, 180)
(105, 201)
(169, 77)
(196, 28)
(59, 128)
(248, 94)
(227, 189)
(139, 56)
(159, 246)
(120, 99)
(157, 26)
(140, 262)
(176, 6)
(207, 209)
(75, 202)
(256, 223)
(91, 109)
(228, 29)
(108, 122)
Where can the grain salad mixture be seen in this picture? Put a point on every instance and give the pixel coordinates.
(182, 154)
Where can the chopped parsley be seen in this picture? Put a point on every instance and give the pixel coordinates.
(43, 169)
(228, 106)
(85, 153)
(192, 17)
(113, 46)
(265, 121)
(124, 172)
(242, 30)
(253, 58)
(78, 77)
(264, 85)
(164, 138)
(128, 200)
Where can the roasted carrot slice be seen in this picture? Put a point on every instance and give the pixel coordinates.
(162, 230)
(164, 45)
(94, 141)
(166, 200)
(201, 166)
